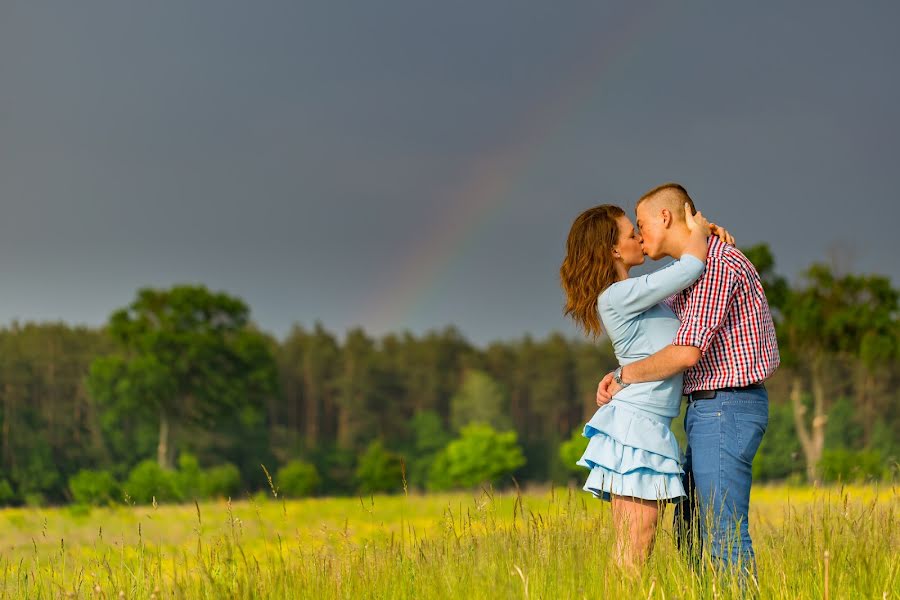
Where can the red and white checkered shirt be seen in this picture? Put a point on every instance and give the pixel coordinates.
(726, 314)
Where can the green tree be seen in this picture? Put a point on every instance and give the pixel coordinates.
(429, 437)
(833, 320)
(480, 455)
(186, 354)
(358, 390)
(571, 450)
(378, 469)
(779, 455)
(874, 347)
(297, 479)
(320, 370)
(148, 481)
(93, 487)
(480, 399)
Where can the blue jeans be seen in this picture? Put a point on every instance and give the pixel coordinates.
(723, 435)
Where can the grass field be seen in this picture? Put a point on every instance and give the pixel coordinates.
(540, 544)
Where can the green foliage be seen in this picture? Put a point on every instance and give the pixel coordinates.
(35, 473)
(187, 354)
(95, 488)
(846, 465)
(885, 441)
(571, 450)
(480, 455)
(189, 477)
(336, 467)
(192, 357)
(779, 455)
(843, 429)
(7, 494)
(221, 481)
(378, 470)
(429, 438)
(776, 287)
(35, 500)
(480, 399)
(148, 481)
(297, 479)
(359, 389)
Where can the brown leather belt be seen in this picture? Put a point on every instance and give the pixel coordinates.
(707, 394)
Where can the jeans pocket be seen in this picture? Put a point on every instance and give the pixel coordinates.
(750, 430)
(706, 408)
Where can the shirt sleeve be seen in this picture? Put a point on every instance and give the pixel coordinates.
(633, 296)
(706, 306)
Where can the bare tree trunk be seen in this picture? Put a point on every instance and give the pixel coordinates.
(802, 429)
(812, 439)
(163, 456)
(820, 418)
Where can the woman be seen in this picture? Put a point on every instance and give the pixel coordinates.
(633, 456)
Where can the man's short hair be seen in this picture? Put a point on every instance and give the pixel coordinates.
(676, 192)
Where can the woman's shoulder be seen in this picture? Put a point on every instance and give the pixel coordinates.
(613, 298)
(608, 295)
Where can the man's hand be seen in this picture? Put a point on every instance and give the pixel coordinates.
(606, 389)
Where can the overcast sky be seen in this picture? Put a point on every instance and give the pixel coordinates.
(408, 165)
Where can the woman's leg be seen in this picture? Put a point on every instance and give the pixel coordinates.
(635, 521)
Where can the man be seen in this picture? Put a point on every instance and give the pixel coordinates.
(726, 347)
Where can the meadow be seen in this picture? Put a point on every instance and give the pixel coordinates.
(541, 543)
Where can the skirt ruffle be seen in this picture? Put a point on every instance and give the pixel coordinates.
(632, 453)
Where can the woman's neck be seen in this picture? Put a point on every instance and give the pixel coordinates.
(621, 271)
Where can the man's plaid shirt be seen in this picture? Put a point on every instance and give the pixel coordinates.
(726, 315)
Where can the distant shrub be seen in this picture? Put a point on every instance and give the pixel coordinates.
(779, 456)
(78, 511)
(221, 481)
(378, 470)
(188, 478)
(7, 494)
(261, 496)
(480, 455)
(429, 438)
(850, 465)
(297, 479)
(36, 474)
(193, 482)
(94, 488)
(148, 480)
(35, 499)
(570, 452)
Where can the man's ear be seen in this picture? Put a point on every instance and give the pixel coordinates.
(666, 217)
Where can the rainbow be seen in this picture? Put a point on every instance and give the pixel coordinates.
(492, 183)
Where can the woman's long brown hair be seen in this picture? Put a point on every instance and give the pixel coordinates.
(589, 267)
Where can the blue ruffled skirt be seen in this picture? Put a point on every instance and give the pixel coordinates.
(632, 452)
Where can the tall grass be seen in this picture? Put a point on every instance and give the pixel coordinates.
(541, 544)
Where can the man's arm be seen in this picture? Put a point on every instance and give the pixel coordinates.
(704, 312)
(669, 361)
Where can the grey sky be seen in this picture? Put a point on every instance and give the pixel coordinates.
(413, 164)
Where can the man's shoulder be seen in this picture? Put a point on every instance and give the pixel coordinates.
(727, 256)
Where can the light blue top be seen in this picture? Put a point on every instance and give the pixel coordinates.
(639, 325)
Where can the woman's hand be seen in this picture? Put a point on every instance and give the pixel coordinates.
(721, 233)
(697, 224)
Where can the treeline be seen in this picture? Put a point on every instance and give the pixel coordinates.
(179, 396)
